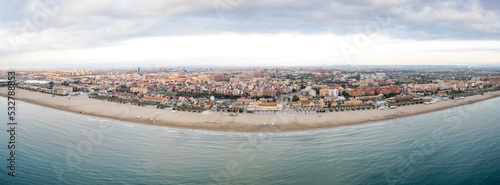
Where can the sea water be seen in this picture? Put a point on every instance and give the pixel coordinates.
(454, 146)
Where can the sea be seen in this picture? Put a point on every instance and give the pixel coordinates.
(454, 146)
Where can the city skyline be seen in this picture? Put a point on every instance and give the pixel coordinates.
(66, 34)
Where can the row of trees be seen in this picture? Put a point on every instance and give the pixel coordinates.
(356, 107)
(189, 108)
(36, 90)
(407, 102)
(232, 109)
(122, 101)
(454, 94)
(337, 108)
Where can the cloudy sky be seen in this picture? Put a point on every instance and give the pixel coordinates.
(99, 33)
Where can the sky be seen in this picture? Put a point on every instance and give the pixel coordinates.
(149, 33)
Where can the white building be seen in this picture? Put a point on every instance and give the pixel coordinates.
(335, 92)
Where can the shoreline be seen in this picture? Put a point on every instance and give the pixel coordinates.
(216, 121)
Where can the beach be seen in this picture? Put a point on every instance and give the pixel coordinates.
(223, 121)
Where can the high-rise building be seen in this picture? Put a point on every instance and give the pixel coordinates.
(335, 92)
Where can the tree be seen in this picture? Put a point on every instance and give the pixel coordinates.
(295, 98)
(346, 95)
(353, 86)
(51, 85)
(285, 99)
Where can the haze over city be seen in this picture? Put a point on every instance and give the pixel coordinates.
(58, 34)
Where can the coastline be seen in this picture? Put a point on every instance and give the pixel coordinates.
(222, 122)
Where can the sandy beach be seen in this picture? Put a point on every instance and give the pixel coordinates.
(222, 121)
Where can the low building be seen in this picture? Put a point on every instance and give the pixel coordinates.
(267, 106)
(62, 90)
(243, 101)
(140, 90)
(353, 102)
(442, 94)
(151, 99)
(398, 99)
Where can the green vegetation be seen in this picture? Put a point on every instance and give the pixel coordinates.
(353, 86)
(119, 100)
(188, 108)
(346, 95)
(43, 92)
(295, 98)
(390, 95)
(357, 77)
(168, 93)
(259, 97)
(319, 79)
(207, 95)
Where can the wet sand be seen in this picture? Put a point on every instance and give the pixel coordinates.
(224, 122)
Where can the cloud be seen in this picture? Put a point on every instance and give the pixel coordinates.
(92, 24)
(451, 19)
(263, 50)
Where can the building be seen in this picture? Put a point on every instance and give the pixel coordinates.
(324, 92)
(140, 90)
(398, 99)
(62, 90)
(151, 99)
(266, 106)
(243, 101)
(353, 102)
(442, 94)
(305, 92)
(313, 104)
(329, 92)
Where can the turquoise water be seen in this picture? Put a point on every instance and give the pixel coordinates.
(454, 146)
